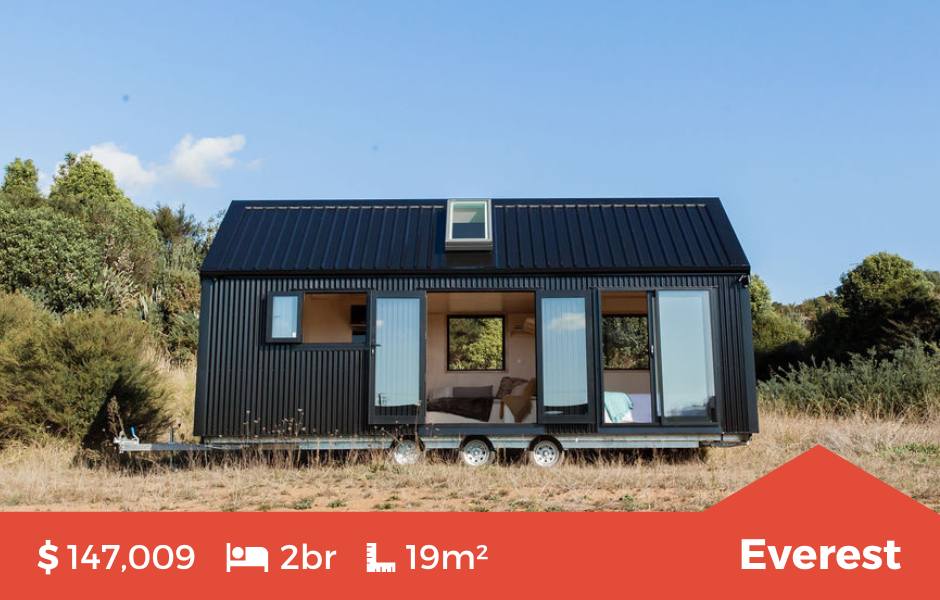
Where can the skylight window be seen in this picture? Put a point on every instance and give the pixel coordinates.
(469, 225)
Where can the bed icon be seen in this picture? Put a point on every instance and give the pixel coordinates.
(245, 556)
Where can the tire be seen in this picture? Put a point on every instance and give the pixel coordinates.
(406, 451)
(546, 453)
(476, 452)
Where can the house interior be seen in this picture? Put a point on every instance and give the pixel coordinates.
(480, 358)
(470, 379)
(627, 384)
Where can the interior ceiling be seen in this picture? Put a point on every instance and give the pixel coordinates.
(631, 303)
(481, 302)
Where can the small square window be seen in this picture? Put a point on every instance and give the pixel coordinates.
(284, 317)
(469, 225)
(475, 343)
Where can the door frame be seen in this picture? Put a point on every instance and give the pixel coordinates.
(418, 417)
(589, 352)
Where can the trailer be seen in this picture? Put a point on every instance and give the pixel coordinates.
(475, 324)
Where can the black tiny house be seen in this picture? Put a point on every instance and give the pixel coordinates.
(541, 324)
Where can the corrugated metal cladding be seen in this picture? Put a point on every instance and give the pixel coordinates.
(248, 387)
(373, 236)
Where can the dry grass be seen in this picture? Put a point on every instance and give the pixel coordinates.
(906, 456)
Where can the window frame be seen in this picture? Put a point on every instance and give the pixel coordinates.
(502, 319)
(269, 318)
(716, 418)
(649, 341)
(484, 243)
(591, 349)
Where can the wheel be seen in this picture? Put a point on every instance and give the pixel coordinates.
(406, 452)
(476, 453)
(546, 454)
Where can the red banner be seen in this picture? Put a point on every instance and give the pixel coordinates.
(816, 524)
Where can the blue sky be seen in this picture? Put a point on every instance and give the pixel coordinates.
(817, 123)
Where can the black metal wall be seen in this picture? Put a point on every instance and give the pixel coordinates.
(247, 387)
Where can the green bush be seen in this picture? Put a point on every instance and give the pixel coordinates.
(57, 376)
(905, 384)
(124, 232)
(48, 255)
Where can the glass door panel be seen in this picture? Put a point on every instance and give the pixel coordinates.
(687, 370)
(397, 389)
(564, 357)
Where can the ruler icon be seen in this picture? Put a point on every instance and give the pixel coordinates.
(372, 563)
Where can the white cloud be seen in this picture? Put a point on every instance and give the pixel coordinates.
(127, 169)
(567, 322)
(196, 161)
(45, 182)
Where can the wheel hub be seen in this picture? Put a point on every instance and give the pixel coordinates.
(475, 453)
(406, 452)
(545, 453)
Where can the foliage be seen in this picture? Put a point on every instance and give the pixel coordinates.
(83, 180)
(883, 303)
(21, 182)
(906, 383)
(779, 335)
(626, 342)
(173, 305)
(123, 231)
(475, 343)
(58, 375)
(48, 255)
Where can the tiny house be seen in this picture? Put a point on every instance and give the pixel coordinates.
(476, 324)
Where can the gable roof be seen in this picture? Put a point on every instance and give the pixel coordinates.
(530, 236)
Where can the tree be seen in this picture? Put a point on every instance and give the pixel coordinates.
(124, 232)
(475, 343)
(48, 255)
(780, 335)
(21, 182)
(82, 180)
(883, 303)
(175, 227)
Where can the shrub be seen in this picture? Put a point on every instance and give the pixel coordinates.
(48, 255)
(57, 377)
(124, 232)
(905, 384)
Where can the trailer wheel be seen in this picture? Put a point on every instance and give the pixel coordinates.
(406, 451)
(476, 452)
(546, 453)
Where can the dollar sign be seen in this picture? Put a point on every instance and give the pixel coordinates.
(47, 553)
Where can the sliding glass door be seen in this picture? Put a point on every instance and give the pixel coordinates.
(686, 390)
(565, 350)
(397, 342)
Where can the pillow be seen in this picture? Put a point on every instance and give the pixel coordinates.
(519, 407)
(520, 389)
(480, 391)
(507, 386)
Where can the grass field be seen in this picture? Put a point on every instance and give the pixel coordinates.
(906, 456)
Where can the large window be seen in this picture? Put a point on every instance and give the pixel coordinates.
(626, 342)
(399, 355)
(475, 343)
(283, 317)
(564, 368)
(687, 366)
(469, 225)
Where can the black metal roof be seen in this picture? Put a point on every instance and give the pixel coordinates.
(530, 235)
